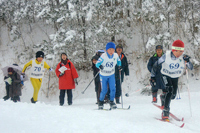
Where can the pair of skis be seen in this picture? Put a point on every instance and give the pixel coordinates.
(116, 109)
(173, 116)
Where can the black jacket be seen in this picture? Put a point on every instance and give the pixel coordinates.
(158, 77)
(125, 69)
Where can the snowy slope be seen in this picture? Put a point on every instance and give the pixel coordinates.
(82, 117)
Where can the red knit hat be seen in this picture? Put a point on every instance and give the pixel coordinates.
(177, 45)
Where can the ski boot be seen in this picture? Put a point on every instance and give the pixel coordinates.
(165, 114)
(33, 100)
(100, 105)
(154, 94)
(117, 100)
(113, 105)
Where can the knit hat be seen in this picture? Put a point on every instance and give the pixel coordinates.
(159, 47)
(10, 69)
(177, 45)
(39, 54)
(119, 46)
(64, 54)
(110, 45)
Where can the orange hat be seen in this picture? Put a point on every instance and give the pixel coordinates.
(177, 45)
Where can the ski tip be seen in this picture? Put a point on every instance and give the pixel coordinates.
(182, 125)
(129, 107)
(182, 119)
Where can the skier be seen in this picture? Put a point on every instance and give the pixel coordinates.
(67, 75)
(97, 79)
(173, 64)
(152, 60)
(124, 70)
(107, 63)
(13, 82)
(37, 73)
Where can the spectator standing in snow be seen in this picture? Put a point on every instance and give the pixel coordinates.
(124, 70)
(152, 60)
(37, 73)
(13, 84)
(107, 63)
(97, 79)
(67, 75)
(173, 64)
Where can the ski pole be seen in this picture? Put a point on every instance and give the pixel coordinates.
(121, 86)
(188, 92)
(90, 82)
(48, 86)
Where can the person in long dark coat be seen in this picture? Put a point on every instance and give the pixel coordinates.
(97, 79)
(14, 82)
(152, 60)
(124, 71)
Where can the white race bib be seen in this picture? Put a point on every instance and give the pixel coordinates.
(173, 68)
(108, 64)
(37, 70)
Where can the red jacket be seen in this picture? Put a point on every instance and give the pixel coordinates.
(66, 81)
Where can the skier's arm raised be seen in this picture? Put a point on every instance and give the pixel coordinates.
(27, 65)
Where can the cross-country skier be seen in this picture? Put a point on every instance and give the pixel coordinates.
(107, 63)
(124, 70)
(37, 73)
(173, 64)
(152, 60)
(67, 78)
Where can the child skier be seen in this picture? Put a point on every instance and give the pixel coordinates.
(152, 60)
(107, 63)
(173, 64)
(37, 73)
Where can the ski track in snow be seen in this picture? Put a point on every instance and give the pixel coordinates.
(82, 117)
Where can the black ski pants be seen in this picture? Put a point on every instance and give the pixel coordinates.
(118, 88)
(62, 96)
(171, 88)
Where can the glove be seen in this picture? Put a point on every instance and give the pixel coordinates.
(9, 81)
(75, 80)
(186, 58)
(153, 81)
(101, 67)
(120, 68)
(50, 69)
(61, 74)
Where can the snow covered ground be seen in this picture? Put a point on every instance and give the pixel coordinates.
(46, 116)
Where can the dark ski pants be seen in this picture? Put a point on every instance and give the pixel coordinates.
(98, 90)
(171, 88)
(118, 89)
(62, 96)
